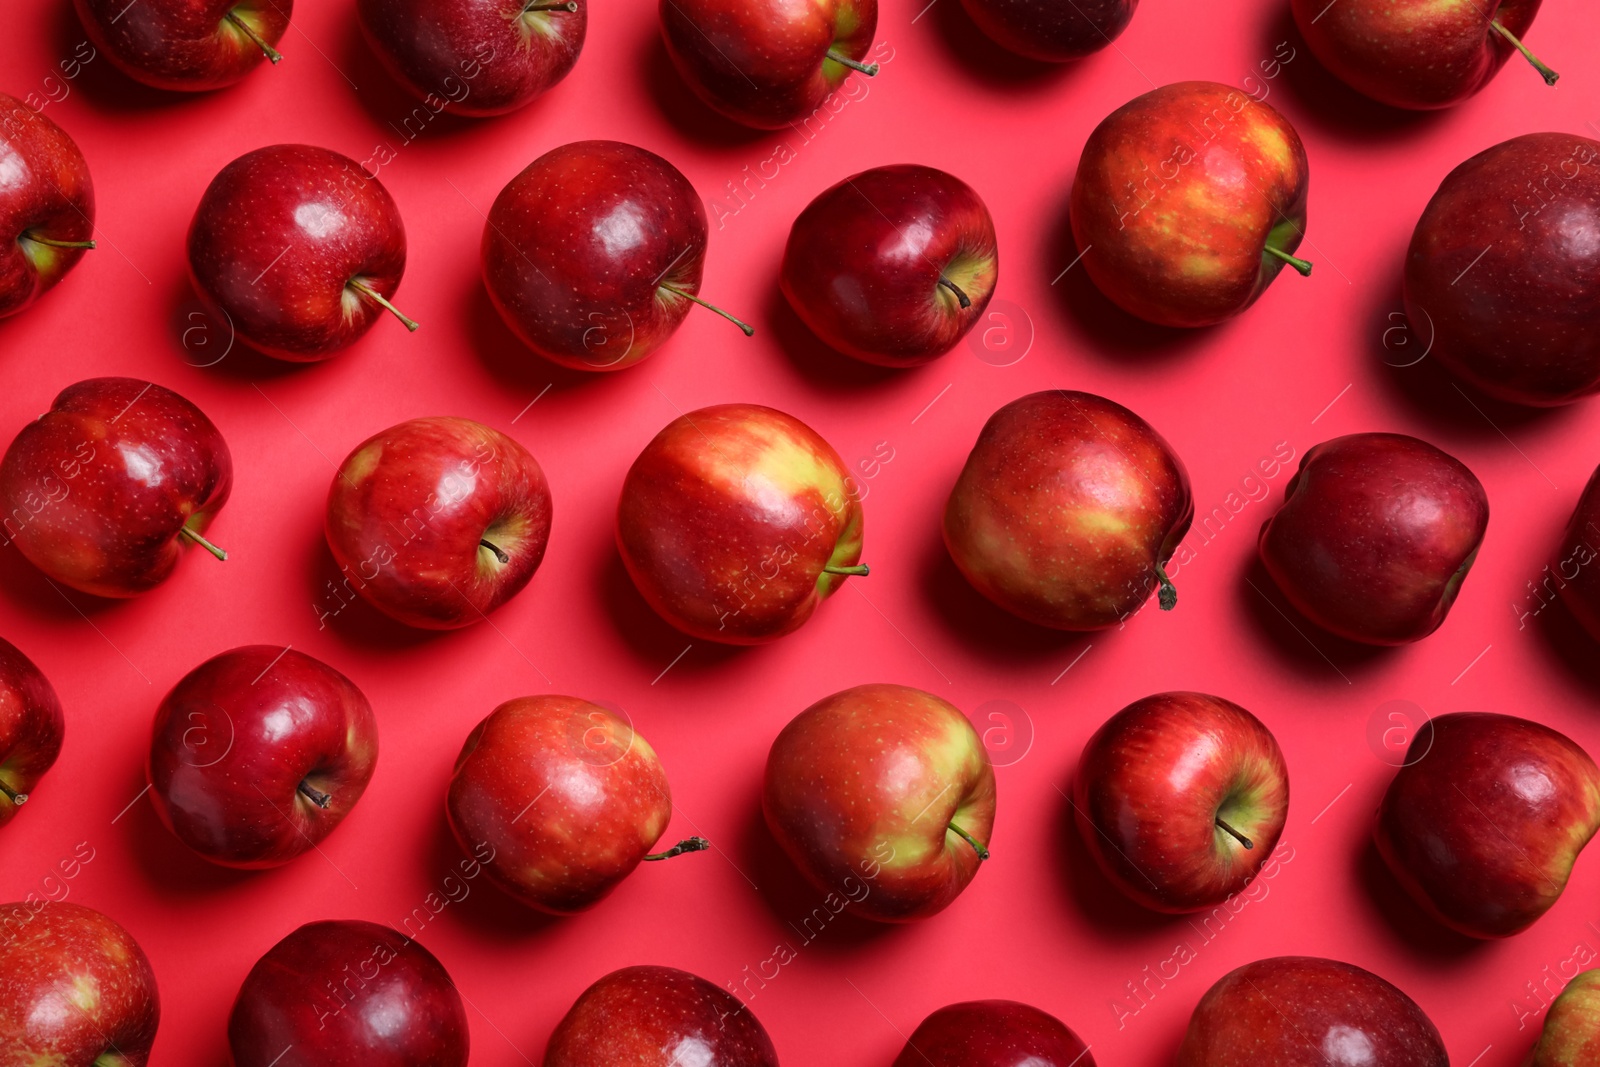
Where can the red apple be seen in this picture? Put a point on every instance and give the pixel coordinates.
(299, 249)
(438, 521)
(1571, 1034)
(348, 994)
(77, 989)
(258, 753)
(1053, 33)
(1300, 1011)
(31, 726)
(1180, 798)
(1375, 536)
(1414, 53)
(479, 57)
(1188, 202)
(768, 63)
(1067, 510)
(102, 491)
(658, 1017)
(892, 265)
(1577, 576)
(189, 45)
(1503, 273)
(1484, 821)
(736, 521)
(593, 254)
(884, 797)
(46, 205)
(993, 1033)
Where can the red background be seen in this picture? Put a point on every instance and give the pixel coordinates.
(1038, 923)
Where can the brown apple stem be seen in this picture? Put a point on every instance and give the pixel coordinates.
(202, 542)
(1237, 836)
(1168, 596)
(860, 570)
(870, 70)
(956, 289)
(15, 797)
(1294, 261)
(244, 28)
(36, 239)
(977, 846)
(377, 298)
(315, 795)
(748, 330)
(1545, 72)
(571, 6)
(688, 844)
(499, 553)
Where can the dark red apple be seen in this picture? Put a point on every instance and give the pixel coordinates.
(1375, 536)
(102, 491)
(892, 265)
(75, 989)
(658, 1017)
(1575, 564)
(480, 57)
(593, 254)
(189, 45)
(46, 205)
(348, 994)
(993, 1033)
(1067, 510)
(299, 249)
(736, 521)
(1188, 202)
(768, 63)
(1484, 821)
(1301, 1011)
(1571, 1033)
(31, 728)
(1180, 798)
(1503, 273)
(1052, 32)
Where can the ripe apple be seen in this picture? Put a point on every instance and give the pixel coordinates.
(1575, 562)
(348, 994)
(188, 45)
(884, 796)
(299, 249)
(658, 1017)
(1188, 202)
(593, 254)
(1052, 33)
(768, 63)
(1503, 274)
(31, 726)
(1484, 821)
(79, 990)
(1180, 798)
(736, 521)
(101, 491)
(1375, 535)
(258, 753)
(993, 1033)
(479, 57)
(439, 521)
(1067, 510)
(1571, 1034)
(46, 205)
(1301, 1011)
(892, 265)
(1416, 54)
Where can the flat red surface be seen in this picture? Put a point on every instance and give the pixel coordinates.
(1038, 924)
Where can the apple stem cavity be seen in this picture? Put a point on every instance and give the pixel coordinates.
(15, 797)
(377, 298)
(860, 570)
(1301, 265)
(977, 846)
(1236, 835)
(870, 70)
(688, 844)
(244, 28)
(1168, 596)
(315, 795)
(1545, 72)
(202, 542)
(748, 329)
(36, 239)
(499, 553)
(961, 297)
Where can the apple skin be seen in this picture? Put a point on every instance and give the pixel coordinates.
(413, 510)
(1375, 536)
(1571, 1034)
(765, 63)
(1049, 31)
(99, 491)
(1055, 456)
(236, 738)
(477, 58)
(853, 274)
(1152, 784)
(1580, 589)
(31, 729)
(185, 45)
(730, 520)
(47, 194)
(1501, 274)
(347, 993)
(1179, 195)
(1483, 823)
(282, 238)
(75, 984)
(993, 1033)
(1301, 1011)
(864, 790)
(658, 1017)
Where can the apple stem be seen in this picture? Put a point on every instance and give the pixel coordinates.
(244, 28)
(1237, 836)
(202, 542)
(868, 70)
(860, 570)
(1168, 596)
(315, 795)
(1296, 262)
(688, 844)
(571, 6)
(983, 853)
(36, 239)
(499, 553)
(748, 330)
(1545, 72)
(956, 289)
(376, 297)
(16, 798)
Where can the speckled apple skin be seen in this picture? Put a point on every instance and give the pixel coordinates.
(185, 45)
(1571, 1033)
(31, 726)
(1576, 562)
(993, 1033)
(1052, 31)
(47, 191)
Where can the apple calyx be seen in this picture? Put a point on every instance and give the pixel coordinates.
(1167, 597)
(870, 70)
(961, 297)
(28, 235)
(1235, 834)
(977, 846)
(860, 570)
(12, 795)
(315, 795)
(1545, 72)
(688, 844)
(749, 330)
(200, 540)
(244, 27)
(1301, 265)
(377, 298)
(499, 553)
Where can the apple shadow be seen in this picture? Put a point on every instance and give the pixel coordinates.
(27, 587)
(821, 365)
(654, 642)
(488, 911)
(110, 90)
(978, 56)
(679, 105)
(391, 105)
(204, 343)
(1566, 641)
(1312, 651)
(1110, 911)
(1404, 917)
(168, 864)
(512, 364)
(347, 615)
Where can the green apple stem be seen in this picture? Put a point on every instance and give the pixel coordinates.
(202, 542)
(870, 70)
(956, 289)
(377, 298)
(15, 797)
(1545, 72)
(688, 844)
(1168, 596)
(860, 570)
(499, 553)
(1236, 835)
(36, 239)
(1296, 262)
(977, 846)
(315, 795)
(570, 6)
(244, 28)
(748, 329)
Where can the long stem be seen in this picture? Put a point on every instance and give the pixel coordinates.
(956, 289)
(315, 795)
(1545, 72)
(570, 6)
(860, 570)
(1294, 261)
(499, 553)
(983, 853)
(202, 542)
(36, 239)
(376, 297)
(688, 844)
(1237, 836)
(244, 28)
(1168, 596)
(868, 70)
(748, 330)
(16, 798)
